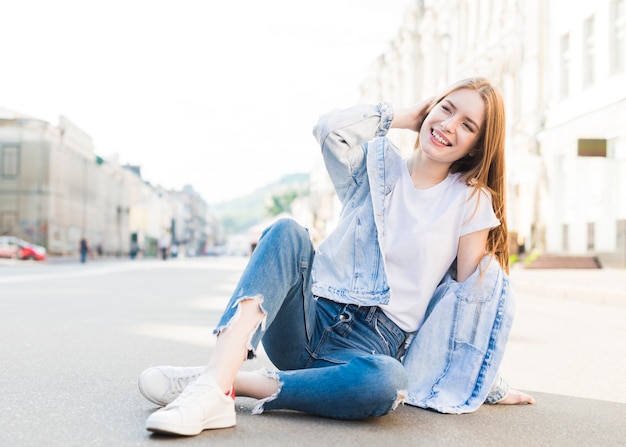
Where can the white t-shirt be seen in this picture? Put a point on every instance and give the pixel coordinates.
(423, 228)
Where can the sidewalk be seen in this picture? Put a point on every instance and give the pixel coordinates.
(596, 286)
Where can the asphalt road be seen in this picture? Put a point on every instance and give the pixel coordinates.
(74, 338)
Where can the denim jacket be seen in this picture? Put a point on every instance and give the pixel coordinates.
(453, 359)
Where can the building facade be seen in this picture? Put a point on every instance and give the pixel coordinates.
(193, 228)
(54, 190)
(560, 67)
(583, 137)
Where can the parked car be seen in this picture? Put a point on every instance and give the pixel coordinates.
(16, 248)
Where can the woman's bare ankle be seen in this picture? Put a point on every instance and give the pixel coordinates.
(256, 384)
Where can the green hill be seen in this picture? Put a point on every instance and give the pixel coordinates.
(240, 214)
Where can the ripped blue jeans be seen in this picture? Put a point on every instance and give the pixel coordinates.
(335, 360)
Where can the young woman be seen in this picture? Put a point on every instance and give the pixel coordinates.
(353, 327)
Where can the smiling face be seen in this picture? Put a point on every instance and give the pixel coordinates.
(453, 126)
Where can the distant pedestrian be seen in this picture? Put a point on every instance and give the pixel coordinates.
(407, 300)
(134, 249)
(83, 248)
(174, 251)
(164, 245)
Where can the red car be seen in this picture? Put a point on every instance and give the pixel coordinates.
(16, 248)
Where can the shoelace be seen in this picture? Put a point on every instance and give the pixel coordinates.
(179, 384)
(191, 395)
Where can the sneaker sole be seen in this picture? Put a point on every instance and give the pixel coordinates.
(224, 421)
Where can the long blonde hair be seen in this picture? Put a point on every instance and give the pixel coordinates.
(484, 165)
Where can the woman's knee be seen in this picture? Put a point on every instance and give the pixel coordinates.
(386, 373)
(286, 228)
(383, 383)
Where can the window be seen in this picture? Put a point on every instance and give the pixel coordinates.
(9, 161)
(588, 51)
(8, 222)
(618, 36)
(591, 236)
(592, 147)
(463, 26)
(565, 63)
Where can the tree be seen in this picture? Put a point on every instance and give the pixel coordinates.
(281, 203)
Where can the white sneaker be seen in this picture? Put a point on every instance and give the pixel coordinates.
(201, 406)
(162, 384)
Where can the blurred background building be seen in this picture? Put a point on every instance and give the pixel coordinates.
(561, 68)
(54, 190)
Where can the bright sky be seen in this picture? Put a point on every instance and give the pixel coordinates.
(221, 95)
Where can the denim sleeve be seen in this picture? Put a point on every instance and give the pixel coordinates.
(499, 390)
(341, 135)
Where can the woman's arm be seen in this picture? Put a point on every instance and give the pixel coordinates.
(341, 135)
(472, 248)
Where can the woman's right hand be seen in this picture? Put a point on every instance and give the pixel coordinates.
(411, 117)
(516, 397)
